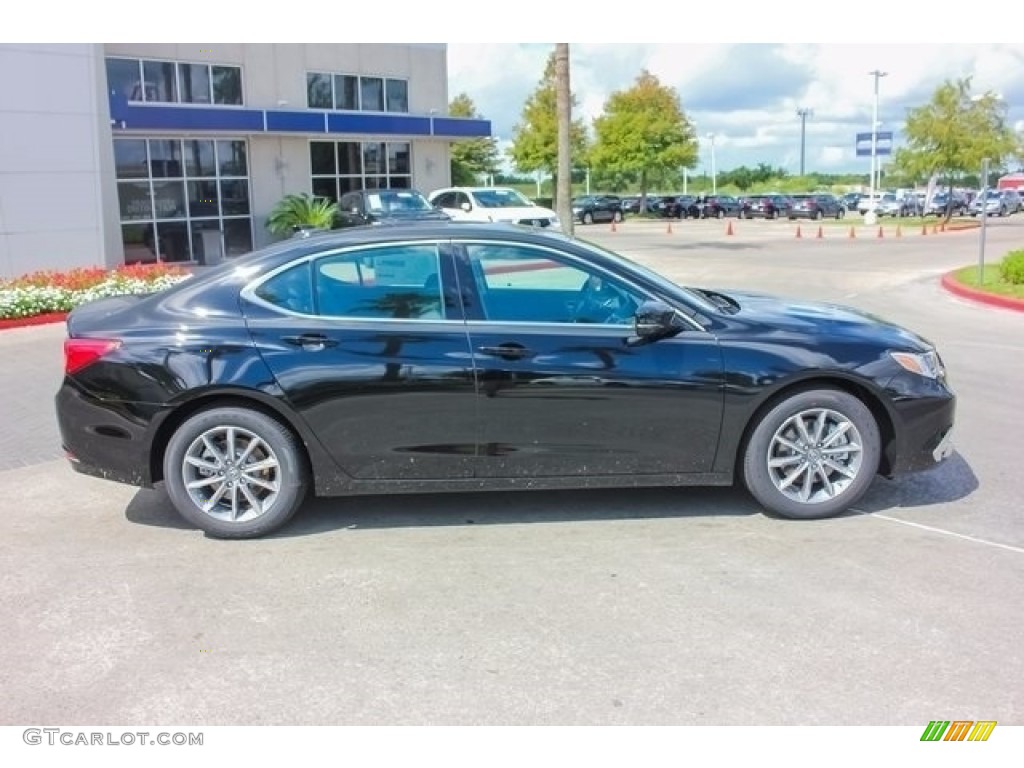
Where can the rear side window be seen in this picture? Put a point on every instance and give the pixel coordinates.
(291, 289)
(396, 282)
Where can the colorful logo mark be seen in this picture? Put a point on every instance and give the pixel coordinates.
(958, 730)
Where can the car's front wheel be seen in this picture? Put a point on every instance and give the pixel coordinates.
(234, 472)
(812, 455)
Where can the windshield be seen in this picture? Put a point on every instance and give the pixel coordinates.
(655, 278)
(500, 198)
(396, 201)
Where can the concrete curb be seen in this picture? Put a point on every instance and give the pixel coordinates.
(954, 286)
(25, 322)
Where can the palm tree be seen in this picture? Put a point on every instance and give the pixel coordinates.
(301, 211)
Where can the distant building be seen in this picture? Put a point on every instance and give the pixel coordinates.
(125, 152)
(1011, 181)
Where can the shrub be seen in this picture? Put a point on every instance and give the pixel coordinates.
(294, 212)
(1012, 267)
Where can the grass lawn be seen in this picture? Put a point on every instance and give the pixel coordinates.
(993, 282)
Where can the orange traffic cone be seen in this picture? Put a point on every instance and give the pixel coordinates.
(924, 229)
(728, 231)
(613, 225)
(942, 227)
(881, 234)
(798, 235)
(899, 233)
(853, 233)
(669, 230)
(821, 234)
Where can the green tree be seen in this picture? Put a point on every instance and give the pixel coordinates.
(473, 157)
(953, 133)
(644, 130)
(535, 138)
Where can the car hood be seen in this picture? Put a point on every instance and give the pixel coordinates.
(515, 214)
(781, 316)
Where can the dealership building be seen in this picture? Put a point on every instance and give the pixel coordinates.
(126, 152)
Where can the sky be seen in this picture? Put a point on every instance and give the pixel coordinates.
(746, 94)
(738, 72)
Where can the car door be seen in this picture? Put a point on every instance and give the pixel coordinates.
(369, 345)
(560, 393)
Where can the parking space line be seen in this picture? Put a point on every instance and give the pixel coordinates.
(933, 529)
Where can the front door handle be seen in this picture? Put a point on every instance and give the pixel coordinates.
(506, 351)
(311, 342)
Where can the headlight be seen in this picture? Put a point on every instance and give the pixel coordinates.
(926, 364)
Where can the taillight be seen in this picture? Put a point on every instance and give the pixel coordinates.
(79, 353)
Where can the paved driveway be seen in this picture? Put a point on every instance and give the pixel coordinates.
(633, 607)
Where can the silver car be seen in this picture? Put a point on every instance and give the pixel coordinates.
(993, 202)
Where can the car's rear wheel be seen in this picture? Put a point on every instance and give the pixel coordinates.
(812, 455)
(588, 218)
(235, 473)
(617, 216)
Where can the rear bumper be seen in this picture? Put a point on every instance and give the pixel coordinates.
(105, 439)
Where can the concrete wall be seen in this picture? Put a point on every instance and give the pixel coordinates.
(55, 158)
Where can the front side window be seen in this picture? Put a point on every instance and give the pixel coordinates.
(398, 282)
(500, 198)
(528, 285)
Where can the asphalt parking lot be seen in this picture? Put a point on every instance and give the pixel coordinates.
(635, 607)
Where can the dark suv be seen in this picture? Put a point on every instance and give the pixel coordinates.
(764, 207)
(720, 206)
(818, 206)
(679, 207)
(377, 206)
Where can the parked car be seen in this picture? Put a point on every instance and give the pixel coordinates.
(678, 207)
(817, 206)
(945, 202)
(890, 204)
(718, 206)
(460, 356)
(1014, 204)
(764, 207)
(851, 200)
(492, 204)
(378, 206)
(631, 204)
(994, 201)
(591, 208)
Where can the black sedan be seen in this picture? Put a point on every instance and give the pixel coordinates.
(445, 357)
(380, 206)
(591, 208)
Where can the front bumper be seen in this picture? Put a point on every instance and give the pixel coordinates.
(924, 420)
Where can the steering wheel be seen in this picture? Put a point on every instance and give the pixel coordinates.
(602, 304)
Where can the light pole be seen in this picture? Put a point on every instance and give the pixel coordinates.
(878, 75)
(714, 175)
(803, 113)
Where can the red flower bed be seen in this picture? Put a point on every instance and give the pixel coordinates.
(86, 277)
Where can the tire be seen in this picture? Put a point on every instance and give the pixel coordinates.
(588, 218)
(763, 446)
(253, 431)
(819, 215)
(617, 216)
(721, 213)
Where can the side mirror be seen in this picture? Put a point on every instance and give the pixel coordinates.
(466, 207)
(654, 321)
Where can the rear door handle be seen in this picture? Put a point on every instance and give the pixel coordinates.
(506, 351)
(312, 342)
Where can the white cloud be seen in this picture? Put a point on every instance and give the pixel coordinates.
(748, 94)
